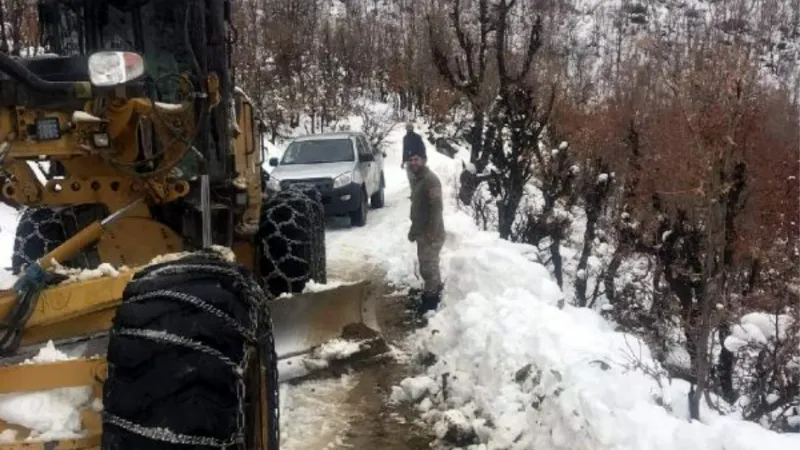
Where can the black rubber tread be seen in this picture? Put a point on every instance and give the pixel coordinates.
(378, 199)
(43, 228)
(358, 218)
(291, 241)
(158, 384)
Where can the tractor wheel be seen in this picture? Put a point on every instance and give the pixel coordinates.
(191, 360)
(291, 241)
(41, 229)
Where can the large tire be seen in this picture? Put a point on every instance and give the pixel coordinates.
(41, 229)
(291, 241)
(182, 357)
(358, 218)
(378, 199)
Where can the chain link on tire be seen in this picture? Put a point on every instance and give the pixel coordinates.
(43, 228)
(180, 351)
(291, 240)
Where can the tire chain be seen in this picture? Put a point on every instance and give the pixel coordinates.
(307, 215)
(46, 225)
(40, 224)
(318, 253)
(259, 331)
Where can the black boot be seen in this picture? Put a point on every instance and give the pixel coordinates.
(414, 298)
(429, 302)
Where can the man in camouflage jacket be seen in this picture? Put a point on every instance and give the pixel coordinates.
(427, 227)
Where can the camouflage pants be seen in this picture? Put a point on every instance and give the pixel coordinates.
(428, 252)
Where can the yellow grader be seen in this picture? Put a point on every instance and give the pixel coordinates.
(147, 248)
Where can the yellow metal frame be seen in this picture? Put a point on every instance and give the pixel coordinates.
(64, 311)
(103, 176)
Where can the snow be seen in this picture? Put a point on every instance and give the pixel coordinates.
(757, 328)
(8, 227)
(224, 252)
(517, 368)
(414, 389)
(504, 319)
(302, 406)
(313, 286)
(77, 275)
(337, 349)
(53, 414)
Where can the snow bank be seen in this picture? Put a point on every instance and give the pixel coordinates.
(516, 368)
(53, 414)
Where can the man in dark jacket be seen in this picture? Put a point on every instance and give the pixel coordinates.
(427, 227)
(412, 143)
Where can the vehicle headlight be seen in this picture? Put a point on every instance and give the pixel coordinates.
(342, 180)
(274, 184)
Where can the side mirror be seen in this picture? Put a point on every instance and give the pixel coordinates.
(366, 157)
(109, 69)
(384, 154)
(273, 162)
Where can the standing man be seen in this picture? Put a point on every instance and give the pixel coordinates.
(412, 143)
(427, 227)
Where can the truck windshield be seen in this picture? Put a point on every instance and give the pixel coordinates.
(319, 152)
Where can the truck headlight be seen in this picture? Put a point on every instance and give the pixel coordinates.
(274, 184)
(342, 180)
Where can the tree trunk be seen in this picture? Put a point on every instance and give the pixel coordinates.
(476, 136)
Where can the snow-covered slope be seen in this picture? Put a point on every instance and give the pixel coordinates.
(516, 368)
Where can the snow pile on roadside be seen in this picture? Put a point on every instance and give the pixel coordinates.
(53, 414)
(338, 349)
(526, 371)
(514, 367)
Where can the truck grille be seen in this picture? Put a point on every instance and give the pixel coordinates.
(324, 185)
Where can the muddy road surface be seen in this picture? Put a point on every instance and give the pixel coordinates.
(349, 409)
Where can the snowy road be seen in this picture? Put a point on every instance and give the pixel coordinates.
(351, 411)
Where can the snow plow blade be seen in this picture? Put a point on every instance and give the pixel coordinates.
(343, 318)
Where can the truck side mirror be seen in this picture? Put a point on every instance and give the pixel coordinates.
(367, 157)
(273, 162)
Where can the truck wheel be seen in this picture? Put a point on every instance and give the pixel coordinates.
(358, 218)
(377, 200)
(41, 229)
(191, 360)
(291, 241)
